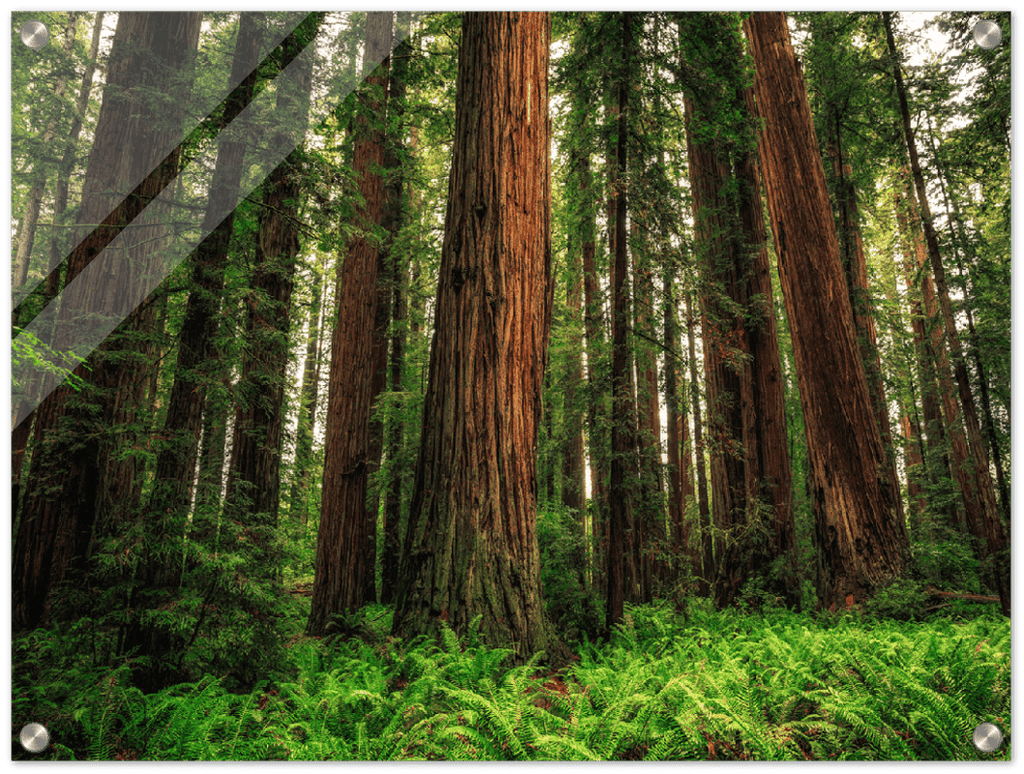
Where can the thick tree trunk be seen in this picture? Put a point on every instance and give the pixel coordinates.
(78, 443)
(861, 537)
(345, 557)
(471, 547)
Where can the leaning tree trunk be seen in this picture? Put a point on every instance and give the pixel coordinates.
(861, 538)
(345, 557)
(937, 458)
(471, 547)
(983, 382)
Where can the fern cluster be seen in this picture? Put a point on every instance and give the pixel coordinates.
(704, 685)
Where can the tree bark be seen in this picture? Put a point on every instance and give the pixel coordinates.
(769, 476)
(471, 548)
(935, 392)
(856, 266)
(573, 488)
(299, 499)
(703, 507)
(397, 202)
(621, 573)
(677, 430)
(982, 512)
(253, 488)
(861, 537)
(954, 216)
(346, 552)
(76, 454)
(22, 433)
(196, 364)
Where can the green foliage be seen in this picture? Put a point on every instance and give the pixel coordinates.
(693, 686)
(903, 600)
(572, 604)
(947, 565)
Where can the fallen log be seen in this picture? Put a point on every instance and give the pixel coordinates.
(959, 595)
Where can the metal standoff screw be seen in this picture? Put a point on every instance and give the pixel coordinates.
(988, 737)
(35, 738)
(987, 34)
(34, 34)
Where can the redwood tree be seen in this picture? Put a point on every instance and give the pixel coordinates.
(345, 555)
(983, 517)
(471, 547)
(76, 435)
(861, 538)
(254, 482)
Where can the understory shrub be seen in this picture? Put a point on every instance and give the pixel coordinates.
(573, 605)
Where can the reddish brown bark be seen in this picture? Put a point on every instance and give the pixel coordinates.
(983, 516)
(852, 246)
(471, 548)
(769, 477)
(927, 357)
(345, 555)
(861, 538)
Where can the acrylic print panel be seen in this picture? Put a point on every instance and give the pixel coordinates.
(127, 225)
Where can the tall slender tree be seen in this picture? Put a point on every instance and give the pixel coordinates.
(983, 516)
(254, 484)
(345, 554)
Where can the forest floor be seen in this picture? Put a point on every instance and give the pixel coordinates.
(698, 685)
